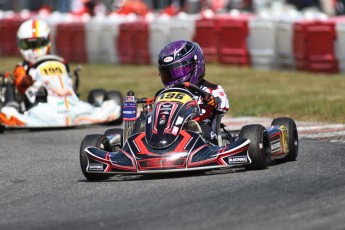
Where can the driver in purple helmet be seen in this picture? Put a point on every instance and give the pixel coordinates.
(183, 61)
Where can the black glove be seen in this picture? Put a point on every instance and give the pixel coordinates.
(210, 101)
(26, 81)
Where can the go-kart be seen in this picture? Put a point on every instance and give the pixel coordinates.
(167, 137)
(53, 100)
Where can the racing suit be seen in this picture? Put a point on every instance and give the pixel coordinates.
(210, 112)
(22, 80)
(30, 90)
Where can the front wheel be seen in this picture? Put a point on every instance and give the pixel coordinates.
(98, 141)
(292, 136)
(259, 148)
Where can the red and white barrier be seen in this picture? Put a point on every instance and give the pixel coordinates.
(261, 42)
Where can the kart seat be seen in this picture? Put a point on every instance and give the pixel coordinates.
(192, 125)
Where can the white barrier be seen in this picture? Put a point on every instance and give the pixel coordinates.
(262, 42)
(340, 45)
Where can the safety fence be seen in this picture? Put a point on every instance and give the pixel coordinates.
(272, 42)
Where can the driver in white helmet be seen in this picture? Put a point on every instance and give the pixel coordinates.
(34, 41)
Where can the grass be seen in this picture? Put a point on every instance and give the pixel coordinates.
(300, 95)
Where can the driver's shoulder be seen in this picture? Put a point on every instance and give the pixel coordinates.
(209, 85)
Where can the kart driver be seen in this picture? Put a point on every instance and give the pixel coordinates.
(34, 41)
(183, 61)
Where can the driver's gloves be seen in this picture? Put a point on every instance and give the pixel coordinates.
(211, 101)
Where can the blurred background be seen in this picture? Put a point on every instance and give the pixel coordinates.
(330, 7)
(306, 35)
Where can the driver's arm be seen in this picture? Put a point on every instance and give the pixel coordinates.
(21, 80)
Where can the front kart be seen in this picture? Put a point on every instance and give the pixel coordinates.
(166, 144)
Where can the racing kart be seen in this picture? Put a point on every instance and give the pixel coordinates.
(53, 100)
(167, 137)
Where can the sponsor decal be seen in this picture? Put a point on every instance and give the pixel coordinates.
(275, 145)
(237, 160)
(162, 120)
(213, 135)
(95, 167)
(130, 99)
(175, 130)
(149, 120)
(179, 121)
(129, 110)
(168, 59)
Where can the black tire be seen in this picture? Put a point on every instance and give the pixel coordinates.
(116, 96)
(96, 97)
(98, 141)
(115, 131)
(292, 136)
(139, 124)
(258, 136)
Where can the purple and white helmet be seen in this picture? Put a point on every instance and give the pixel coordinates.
(181, 61)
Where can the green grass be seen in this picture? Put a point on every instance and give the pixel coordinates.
(300, 95)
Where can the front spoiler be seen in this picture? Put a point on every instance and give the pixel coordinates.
(121, 162)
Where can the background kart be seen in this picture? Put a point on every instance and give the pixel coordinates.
(51, 106)
(167, 137)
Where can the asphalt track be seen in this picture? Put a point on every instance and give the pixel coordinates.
(42, 187)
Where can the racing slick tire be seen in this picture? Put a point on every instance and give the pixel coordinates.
(259, 148)
(292, 136)
(116, 143)
(117, 97)
(98, 141)
(96, 97)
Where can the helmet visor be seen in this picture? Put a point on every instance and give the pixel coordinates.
(176, 72)
(32, 43)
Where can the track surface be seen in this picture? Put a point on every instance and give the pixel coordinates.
(42, 187)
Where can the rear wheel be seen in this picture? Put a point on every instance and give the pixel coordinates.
(292, 136)
(117, 97)
(259, 147)
(96, 97)
(98, 141)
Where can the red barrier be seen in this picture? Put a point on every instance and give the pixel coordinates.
(8, 35)
(233, 33)
(141, 43)
(70, 41)
(313, 46)
(133, 43)
(206, 37)
(224, 39)
(124, 43)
